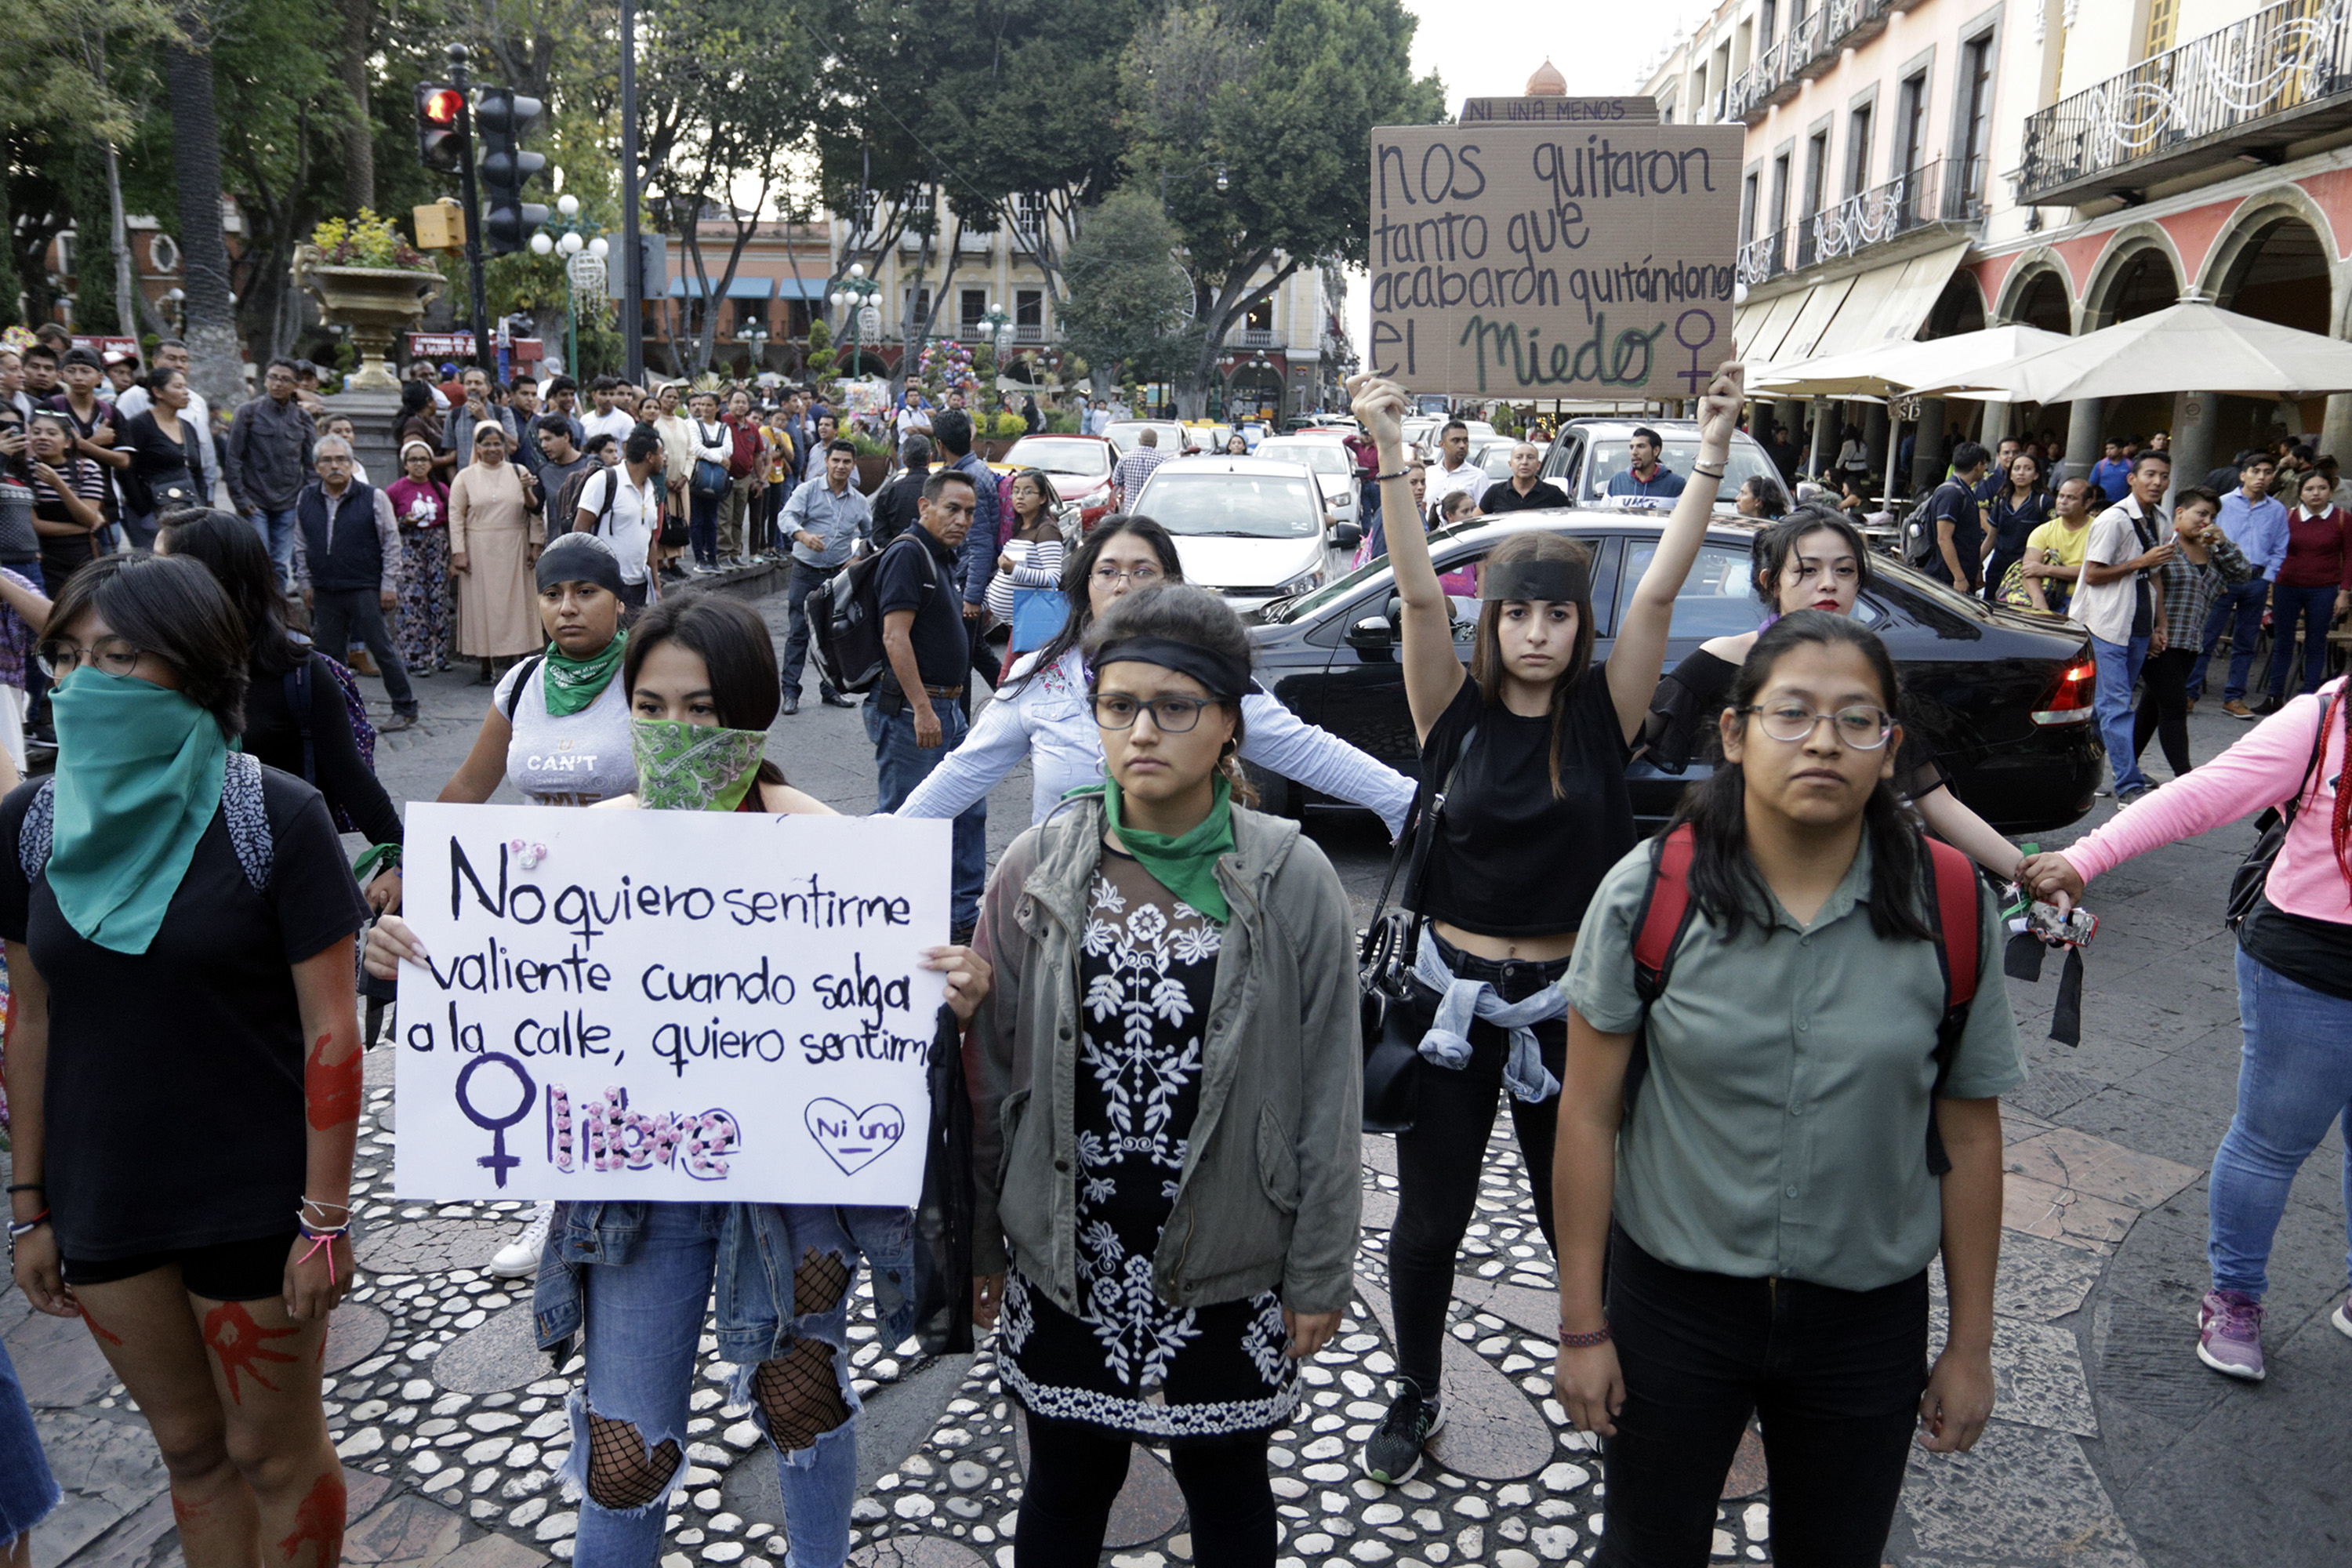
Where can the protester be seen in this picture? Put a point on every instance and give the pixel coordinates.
(914, 718)
(1813, 559)
(2313, 585)
(346, 563)
(205, 1264)
(295, 716)
(2256, 523)
(632, 1283)
(1127, 476)
(711, 443)
(1454, 470)
(2054, 552)
(1525, 488)
(1039, 714)
(1114, 1019)
(1956, 518)
(426, 623)
(1025, 595)
(2294, 986)
(2118, 602)
(492, 544)
(69, 491)
(2204, 566)
(1531, 743)
(2015, 507)
(1810, 1053)
(271, 461)
(829, 524)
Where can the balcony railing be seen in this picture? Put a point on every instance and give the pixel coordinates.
(1257, 337)
(1945, 194)
(1030, 332)
(969, 242)
(1764, 258)
(2281, 74)
(1810, 48)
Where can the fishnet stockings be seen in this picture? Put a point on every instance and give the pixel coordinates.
(622, 1473)
(799, 1391)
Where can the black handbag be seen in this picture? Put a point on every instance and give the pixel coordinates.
(1394, 1014)
(2253, 872)
(943, 1219)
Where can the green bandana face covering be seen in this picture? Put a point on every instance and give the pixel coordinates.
(1185, 864)
(570, 684)
(139, 778)
(694, 767)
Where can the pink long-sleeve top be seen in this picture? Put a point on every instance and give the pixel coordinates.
(2261, 771)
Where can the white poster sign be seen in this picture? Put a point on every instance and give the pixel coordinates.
(667, 1005)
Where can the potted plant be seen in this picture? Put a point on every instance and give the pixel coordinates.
(366, 277)
(873, 459)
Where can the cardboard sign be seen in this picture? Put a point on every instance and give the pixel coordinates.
(667, 1005)
(1522, 260)
(1562, 110)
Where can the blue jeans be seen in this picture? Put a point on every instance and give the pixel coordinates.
(2111, 701)
(2295, 1079)
(903, 764)
(27, 1491)
(702, 527)
(2313, 607)
(645, 1320)
(276, 532)
(2241, 609)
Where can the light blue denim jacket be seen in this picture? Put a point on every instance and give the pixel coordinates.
(752, 1298)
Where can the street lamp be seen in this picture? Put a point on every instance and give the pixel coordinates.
(854, 299)
(584, 250)
(754, 334)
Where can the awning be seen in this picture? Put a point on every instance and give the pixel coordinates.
(741, 288)
(1759, 342)
(800, 288)
(1813, 319)
(1856, 324)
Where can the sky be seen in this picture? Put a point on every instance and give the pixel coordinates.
(1485, 48)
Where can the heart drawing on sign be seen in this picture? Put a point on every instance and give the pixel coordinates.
(853, 1140)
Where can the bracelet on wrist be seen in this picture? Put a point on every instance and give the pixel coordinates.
(1573, 1342)
(1400, 474)
(1710, 473)
(15, 1187)
(17, 1233)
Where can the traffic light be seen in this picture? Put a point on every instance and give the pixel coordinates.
(440, 126)
(502, 115)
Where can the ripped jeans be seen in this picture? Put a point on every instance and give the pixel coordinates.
(644, 1321)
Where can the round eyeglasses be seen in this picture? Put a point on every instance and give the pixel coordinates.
(1862, 727)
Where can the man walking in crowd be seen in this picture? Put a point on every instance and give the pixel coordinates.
(2111, 474)
(2117, 601)
(1956, 517)
(1127, 478)
(1455, 472)
(2256, 521)
(623, 506)
(827, 522)
(977, 568)
(559, 459)
(738, 532)
(897, 503)
(914, 718)
(1645, 474)
(270, 460)
(347, 560)
(1526, 491)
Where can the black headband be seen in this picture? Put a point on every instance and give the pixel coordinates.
(589, 560)
(1225, 679)
(1559, 582)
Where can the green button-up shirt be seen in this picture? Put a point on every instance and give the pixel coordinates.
(1783, 1130)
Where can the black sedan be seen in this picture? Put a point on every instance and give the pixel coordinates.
(2004, 696)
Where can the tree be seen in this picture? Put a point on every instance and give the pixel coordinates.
(215, 365)
(1208, 87)
(1127, 298)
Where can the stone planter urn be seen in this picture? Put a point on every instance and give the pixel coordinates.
(376, 303)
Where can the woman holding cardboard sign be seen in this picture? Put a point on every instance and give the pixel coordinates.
(638, 1277)
(1165, 1107)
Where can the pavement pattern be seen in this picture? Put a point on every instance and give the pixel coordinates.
(2111, 1446)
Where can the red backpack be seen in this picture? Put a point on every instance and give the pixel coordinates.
(1665, 914)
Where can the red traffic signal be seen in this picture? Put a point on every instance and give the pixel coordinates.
(440, 126)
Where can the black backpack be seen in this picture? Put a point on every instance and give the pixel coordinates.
(566, 512)
(1920, 544)
(844, 617)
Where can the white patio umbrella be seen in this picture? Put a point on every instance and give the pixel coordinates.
(2194, 346)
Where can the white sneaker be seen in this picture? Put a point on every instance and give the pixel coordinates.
(519, 1258)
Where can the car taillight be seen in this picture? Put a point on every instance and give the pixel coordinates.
(2069, 701)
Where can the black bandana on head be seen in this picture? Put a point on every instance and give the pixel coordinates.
(1227, 679)
(1559, 582)
(580, 558)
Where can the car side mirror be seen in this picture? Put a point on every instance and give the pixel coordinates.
(1347, 536)
(1372, 633)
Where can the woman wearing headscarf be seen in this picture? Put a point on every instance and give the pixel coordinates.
(493, 541)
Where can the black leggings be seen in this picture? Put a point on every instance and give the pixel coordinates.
(1074, 1474)
(2163, 709)
(1440, 1160)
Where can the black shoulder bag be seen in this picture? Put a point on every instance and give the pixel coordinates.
(1395, 1017)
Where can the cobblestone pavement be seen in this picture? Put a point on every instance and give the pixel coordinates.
(2111, 1446)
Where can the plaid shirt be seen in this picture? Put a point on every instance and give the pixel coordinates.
(2190, 589)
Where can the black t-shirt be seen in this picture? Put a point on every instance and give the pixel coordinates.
(174, 1107)
(902, 580)
(2317, 953)
(1955, 501)
(273, 734)
(894, 505)
(1682, 729)
(1511, 858)
(1505, 497)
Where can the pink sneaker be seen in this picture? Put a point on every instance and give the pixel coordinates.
(2229, 1334)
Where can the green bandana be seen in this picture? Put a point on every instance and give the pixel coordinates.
(138, 780)
(570, 684)
(694, 767)
(1185, 864)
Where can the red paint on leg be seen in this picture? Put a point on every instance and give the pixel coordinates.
(331, 1092)
(96, 1327)
(242, 1344)
(318, 1518)
(185, 1513)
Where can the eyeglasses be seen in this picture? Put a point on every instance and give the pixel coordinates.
(110, 655)
(1862, 727)
(1169, 715)
(1141, 577)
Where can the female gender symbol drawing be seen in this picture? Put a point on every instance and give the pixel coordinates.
(1697, 377)
(498, 1160)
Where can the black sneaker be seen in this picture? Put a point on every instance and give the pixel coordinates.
(2268, 706)
(792, 705)
(1393, 1453)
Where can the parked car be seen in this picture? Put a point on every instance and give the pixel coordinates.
(1175, 440)
(1327, 455)
(2003, 696)
(1079, 467)
(1588, 453)
(1252, 528)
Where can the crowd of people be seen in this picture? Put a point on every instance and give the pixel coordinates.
(1753, 1064)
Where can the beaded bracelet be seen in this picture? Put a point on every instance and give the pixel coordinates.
(1400, 474)
(1598, 1336)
